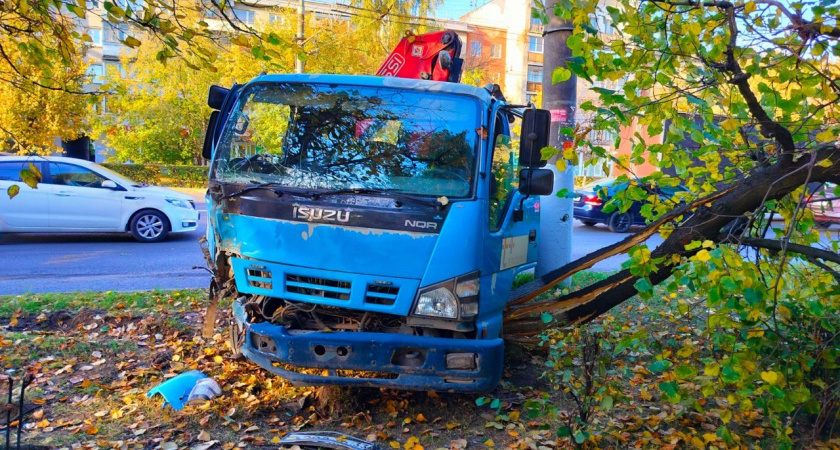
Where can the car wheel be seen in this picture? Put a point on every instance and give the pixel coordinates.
(149, 226)
(620, 222)
(588, 223)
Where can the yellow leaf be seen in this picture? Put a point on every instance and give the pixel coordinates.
(712, 370)
(561, 164)
(514, 416)
(825, 136)
(703, 255)
(43, 424)
(749, 7)
(698, 443)
(770, 377)
(421, 418)
(726, 416)
(218, 359)
(275, 440)
(13, 191)
(394, 444)
(490, 443)
(709, 437)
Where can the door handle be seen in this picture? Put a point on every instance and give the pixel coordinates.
(62, 194)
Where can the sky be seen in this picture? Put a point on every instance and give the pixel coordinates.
(453, 9)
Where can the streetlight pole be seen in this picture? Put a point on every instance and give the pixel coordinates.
(555, 249)
(301, 21)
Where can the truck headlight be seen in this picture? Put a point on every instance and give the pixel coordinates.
(456, 298)
(439, 302)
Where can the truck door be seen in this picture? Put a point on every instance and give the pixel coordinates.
(511, 245)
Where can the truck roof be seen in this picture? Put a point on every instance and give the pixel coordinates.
(374, 81)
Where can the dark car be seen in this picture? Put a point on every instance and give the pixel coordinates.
(590, 200)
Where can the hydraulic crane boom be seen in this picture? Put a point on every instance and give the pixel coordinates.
(431, 56)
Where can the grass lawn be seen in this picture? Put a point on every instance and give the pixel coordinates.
(94, 356)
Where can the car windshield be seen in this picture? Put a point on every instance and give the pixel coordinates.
(116, 176)
(326, 137)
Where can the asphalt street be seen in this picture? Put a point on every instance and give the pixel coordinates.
(35, 263)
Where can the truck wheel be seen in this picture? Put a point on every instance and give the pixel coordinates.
(620, 222)
(589, 223)
(235, 341)
(149, 226)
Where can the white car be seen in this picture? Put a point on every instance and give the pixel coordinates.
(77, 196)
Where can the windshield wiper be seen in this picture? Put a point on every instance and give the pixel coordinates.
(393, 193)
(278, 190)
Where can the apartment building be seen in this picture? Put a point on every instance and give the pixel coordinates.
(522, 73)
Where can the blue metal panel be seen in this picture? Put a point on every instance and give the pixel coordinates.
(370, 352)
(342, 249)
(459, 244)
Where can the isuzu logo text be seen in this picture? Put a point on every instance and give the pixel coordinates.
(322, 214)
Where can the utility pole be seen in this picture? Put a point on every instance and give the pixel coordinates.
(301, 21)
(555, 249)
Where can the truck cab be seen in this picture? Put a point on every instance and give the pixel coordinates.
(371, 227)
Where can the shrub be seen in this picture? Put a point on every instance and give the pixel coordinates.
(164, 175)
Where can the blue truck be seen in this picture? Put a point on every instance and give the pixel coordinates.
(371, 227)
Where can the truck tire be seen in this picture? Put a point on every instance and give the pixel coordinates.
(235, 341)
(620, 222)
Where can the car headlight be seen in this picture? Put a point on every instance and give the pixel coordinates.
(179, 203)
(456, 298)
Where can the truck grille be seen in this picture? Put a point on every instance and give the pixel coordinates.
(381, 295)
(258, 277)
(318, 287)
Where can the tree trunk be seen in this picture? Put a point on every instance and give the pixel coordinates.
(768, 182)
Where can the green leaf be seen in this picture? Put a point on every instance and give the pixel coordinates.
(659, 366)
(685, 371)
(606, 403)
(495, 403)
(669, 388)
(480, 401)
(30, 178)
(131, 41)
(13, 191)
(546, 317)
(560, 75)
(580, 437)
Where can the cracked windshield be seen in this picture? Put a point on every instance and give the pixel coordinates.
(327, 138)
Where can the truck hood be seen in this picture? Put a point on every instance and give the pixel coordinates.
(365, 251)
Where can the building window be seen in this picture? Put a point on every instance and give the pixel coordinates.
(95, 36)
(95, 72)
(475, 48)
(244, 15)
(535, 44)
(602, 24)
(114, 34)
(275, 18)
(535, 74)
(497, 51)
(531, 98)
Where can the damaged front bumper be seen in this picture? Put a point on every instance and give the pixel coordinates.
(349, 358)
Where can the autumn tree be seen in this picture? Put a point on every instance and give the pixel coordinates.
(42, 90)
(752, 87)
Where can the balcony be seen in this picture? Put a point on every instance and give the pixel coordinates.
(537, 28)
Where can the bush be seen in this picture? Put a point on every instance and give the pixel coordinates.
(163, 175)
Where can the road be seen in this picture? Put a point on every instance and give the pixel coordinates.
(69, 263)
(33, 263)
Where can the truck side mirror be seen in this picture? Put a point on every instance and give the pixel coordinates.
(209, 135)
(535, 130)
(216, 97)
(536, 181)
